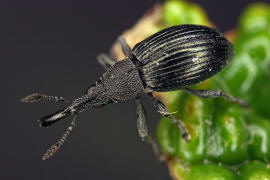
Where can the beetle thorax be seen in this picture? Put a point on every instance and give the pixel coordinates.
(122, 81)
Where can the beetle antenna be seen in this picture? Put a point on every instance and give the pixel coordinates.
(55, 147)
(36, 97)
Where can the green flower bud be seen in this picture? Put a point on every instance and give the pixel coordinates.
(177, 12)
(254, 171)
(228, 140)
(210, 172)
(259, 143)
(255, 18)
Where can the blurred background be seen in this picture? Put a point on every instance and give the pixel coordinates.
(51, 47)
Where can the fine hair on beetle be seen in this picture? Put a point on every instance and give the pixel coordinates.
(174, 58)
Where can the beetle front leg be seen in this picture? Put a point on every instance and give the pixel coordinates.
(161, 108)
(36, 97)
(143, 130)
(124, 45)
(105, 61)
(216, 93)
(141, 119)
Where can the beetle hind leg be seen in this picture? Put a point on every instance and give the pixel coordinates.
(215, 94)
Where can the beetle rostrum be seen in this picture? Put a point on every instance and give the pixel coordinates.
(174, 58)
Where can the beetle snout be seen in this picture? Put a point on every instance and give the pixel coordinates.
(53, 118)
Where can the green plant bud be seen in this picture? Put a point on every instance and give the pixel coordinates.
(255, 51)
(254, 171)
(168, 136)
(210, 172)
(196, 114)
(179, 169)
(255, 18)
(177, 12)
(228, 141)
(174, 12)
(196, 15)
(256, 46)
(259, 143)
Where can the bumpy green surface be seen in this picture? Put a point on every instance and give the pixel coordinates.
(227, 141)
(181, 12)
(210, 172)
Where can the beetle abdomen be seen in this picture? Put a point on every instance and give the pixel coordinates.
(181, 56)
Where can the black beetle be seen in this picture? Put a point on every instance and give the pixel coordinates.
(171, 59)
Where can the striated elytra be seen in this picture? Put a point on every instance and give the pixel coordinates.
(171, 59)
(181, 56)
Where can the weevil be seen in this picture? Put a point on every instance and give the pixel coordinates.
(174, 58)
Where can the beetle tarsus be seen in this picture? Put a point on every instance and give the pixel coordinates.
(180, 124)
(186, 136)
(157, 152)
(231, 98)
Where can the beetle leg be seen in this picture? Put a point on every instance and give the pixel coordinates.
(141, 119)
(105, 61)
(124, 45)
(143, 130)
(216, 93)
(161, 108)
(36, 97)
